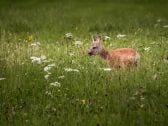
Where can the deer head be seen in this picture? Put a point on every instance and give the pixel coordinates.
(96, 47)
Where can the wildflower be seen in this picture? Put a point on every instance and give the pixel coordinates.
(26, 120)
(68, 35)
(52, 65)
(55, 84)
(159, 20)
(141, 106)
(48, 93)
(107, 38)
(121, 36)
(35, 44)
(60, 77)
(43, 57)
(147, 49)
(54, 109)
(165, 26)
(71, 70)
(78, 43)
(111, 45)
(142, 98)
(30, 38)
(47, 76)
(48, 67)
(106, 69)
(2, 79)
(83, 101)
(38, 60)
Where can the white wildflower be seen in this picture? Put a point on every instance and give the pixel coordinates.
(71, 70)
(43, 57)
(78, 43)
(111, 45)
(2, 78)
(47, 76)
(106, 69)
(38, 60)
(35, 44)
(48, 93)
(61, 77)
(107, 38)
(121, 36)
(159, 20)
(68, 35)
(48, 67)
(165, 26)
(52, 65)
(147, 49)
(55, 84)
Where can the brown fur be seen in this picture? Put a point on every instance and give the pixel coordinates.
(123, 57)
(120, 57)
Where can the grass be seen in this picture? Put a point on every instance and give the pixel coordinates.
(91, 96)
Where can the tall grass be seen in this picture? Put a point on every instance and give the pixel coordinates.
(91, 96)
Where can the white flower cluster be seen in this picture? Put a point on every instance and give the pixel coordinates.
(147, 49)
(71, 70)
(107, 38)
(48, 67)
(38, 60)
(78, 43)
(106, 69)
(55, 84)
(2, 79)
(165, 26)
(68, 35)
(121, 36)
(35, 44)
(43, 59)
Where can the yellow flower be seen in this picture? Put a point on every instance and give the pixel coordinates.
(30, 38)
(83, 101)
(141, 106)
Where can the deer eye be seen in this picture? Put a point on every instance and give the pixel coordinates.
(94, 47)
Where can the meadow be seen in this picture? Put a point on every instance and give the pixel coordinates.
(47, 78)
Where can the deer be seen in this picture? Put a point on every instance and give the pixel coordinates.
(116, 58)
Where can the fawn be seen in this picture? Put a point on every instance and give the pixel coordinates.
(120, 57)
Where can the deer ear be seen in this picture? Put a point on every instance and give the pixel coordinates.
(99, 38)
